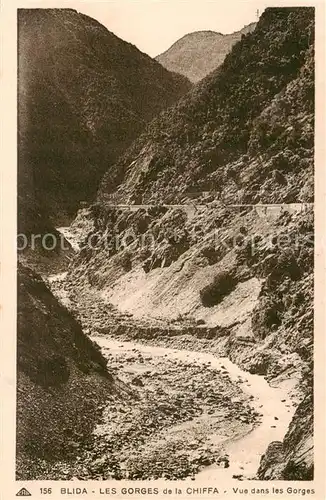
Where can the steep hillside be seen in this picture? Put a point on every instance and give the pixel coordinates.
(293, 459)
(84, 95)
(235, 281)
(197, 54)
(245, 133)
(62, 380)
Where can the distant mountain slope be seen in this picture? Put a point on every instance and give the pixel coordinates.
(245, 133)
(197, 54)
(84, 95)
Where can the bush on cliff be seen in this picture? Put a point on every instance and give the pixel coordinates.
(221, 286)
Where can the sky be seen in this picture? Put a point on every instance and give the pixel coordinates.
(154, 25)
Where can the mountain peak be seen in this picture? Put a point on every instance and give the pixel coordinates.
(198, 53)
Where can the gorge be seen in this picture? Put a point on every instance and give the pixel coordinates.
(182, 314)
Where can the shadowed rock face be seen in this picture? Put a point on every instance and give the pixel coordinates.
(62, 378)
(84, 95)
(292, 460)
(55, 339)
(197, 54)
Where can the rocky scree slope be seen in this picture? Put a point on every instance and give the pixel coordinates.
(197, 54)
(245, 133)
(84, 95)
(62, 381)
(251, 300)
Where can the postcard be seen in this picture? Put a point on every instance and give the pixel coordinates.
(163, 249)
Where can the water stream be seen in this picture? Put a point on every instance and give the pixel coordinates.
(272, 402)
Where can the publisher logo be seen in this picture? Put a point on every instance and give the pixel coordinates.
(23, 493)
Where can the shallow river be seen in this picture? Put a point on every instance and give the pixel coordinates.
(273, 403)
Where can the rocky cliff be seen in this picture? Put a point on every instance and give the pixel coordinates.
(197, 54)
(238, 277)
(62, 380)
(235, 282)
(245, 133)
(292, 459)
(83, 96)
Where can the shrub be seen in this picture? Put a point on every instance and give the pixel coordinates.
(126, 261)
(147, 265)
(249, 253)
(267, 317)
(221, 286)
(286, 265)
(211, 254)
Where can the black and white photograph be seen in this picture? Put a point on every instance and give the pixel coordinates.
(165, 245)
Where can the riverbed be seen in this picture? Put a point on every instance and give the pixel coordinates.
(194, 414)
(243, 445)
